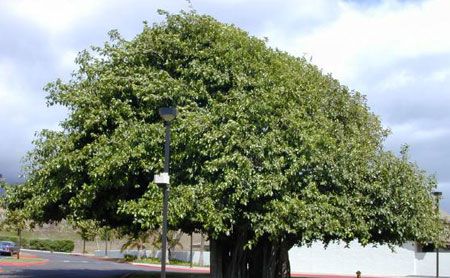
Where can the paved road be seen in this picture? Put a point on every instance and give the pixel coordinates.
(68, 266)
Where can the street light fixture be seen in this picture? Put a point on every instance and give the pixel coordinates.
(437, 195)
(167, 114)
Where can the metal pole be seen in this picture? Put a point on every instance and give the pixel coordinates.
(437, 195)
(167, 147)
(437, 246)
(165, 201)
(437, 262)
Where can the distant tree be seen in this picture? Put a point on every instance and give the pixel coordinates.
(3, 183)
(138, 241)
(268, 152)
(87, 229)
(17, 221)
(107, 234)
(173, 241)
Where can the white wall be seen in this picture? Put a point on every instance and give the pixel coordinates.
(184, 256)
(337, 259)
(426, 264)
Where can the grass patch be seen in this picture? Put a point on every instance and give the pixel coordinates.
(157, 261)
(13, 259)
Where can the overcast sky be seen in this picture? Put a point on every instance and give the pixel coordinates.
(395, 52)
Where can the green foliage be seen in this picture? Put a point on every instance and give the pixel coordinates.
(64, 245)
(15, 220)
(158, 261)
(129, 258)
(52, 245)
(87, 229)
(107, 233)
(173, 239)
(43, 244)
(138, 241)
(265, 143)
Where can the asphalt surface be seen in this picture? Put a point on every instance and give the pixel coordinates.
(69, 266)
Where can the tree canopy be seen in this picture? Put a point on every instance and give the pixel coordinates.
(265, 145)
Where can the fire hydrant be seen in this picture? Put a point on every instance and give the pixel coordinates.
(358, 274)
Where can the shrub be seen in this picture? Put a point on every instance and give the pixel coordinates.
(52, 245)
(129, 257)
(9, 238)
(64, 245)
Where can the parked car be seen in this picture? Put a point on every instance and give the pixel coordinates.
(8, 248)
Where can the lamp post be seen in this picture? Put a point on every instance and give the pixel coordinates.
(438, 196)
(167, 114)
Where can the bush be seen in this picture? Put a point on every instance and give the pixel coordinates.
(64, 245)
(129, 257)
(9, 238)
(52, 245)
(41, 244)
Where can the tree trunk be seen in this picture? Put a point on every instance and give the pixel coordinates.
(268, 259)
(84, 246)
(19, 233)
(106, 244)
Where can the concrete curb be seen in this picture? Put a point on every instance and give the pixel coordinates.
(178, 268)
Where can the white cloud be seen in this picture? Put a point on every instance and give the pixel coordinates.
(53, 15)
(397, 80)
(67, 60)
(413, 134)
(440, 75)
(10, 87)
(374, 36)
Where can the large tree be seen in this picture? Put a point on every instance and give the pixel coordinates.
(267, 153)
